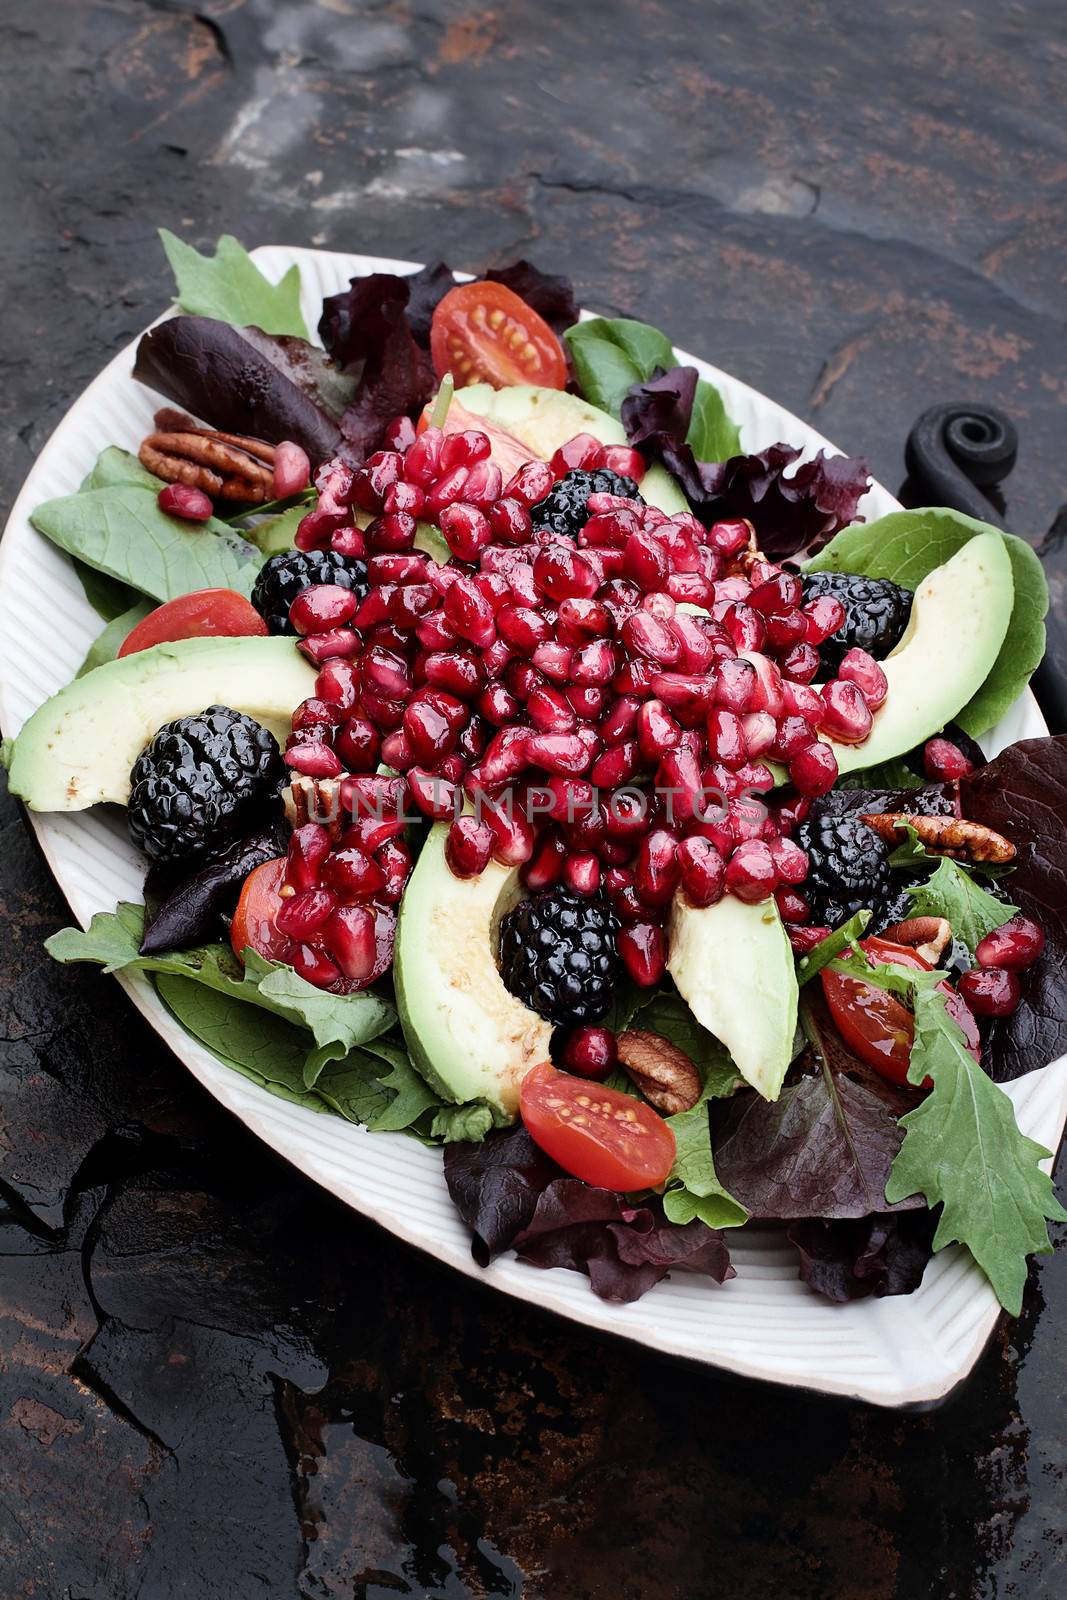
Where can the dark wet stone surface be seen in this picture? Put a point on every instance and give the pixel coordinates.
(215, 1380)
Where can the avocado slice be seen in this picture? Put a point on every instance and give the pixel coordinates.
(79, 747)
(469, 1037)
(959, 618)
(734, 968)
(543, 419)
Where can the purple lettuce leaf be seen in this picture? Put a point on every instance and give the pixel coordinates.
(241, 380)
(495, 1186)
(790, 514)
(1022, 793)
(551, 297)
(366, 330)
(426, 288)
(511, 1195)
(624, 1249)
(879, 1255)
(824, 1147)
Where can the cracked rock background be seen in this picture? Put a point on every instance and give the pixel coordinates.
(214, 1379)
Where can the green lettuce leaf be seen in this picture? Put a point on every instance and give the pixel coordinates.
(230, 287)
(831, 947)
(906, 545)
(963, 1150)
(106, 645)
(951, 892)
(693, 1190)
(669, 1015)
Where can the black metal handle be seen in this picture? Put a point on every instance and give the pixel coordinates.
(954, 451)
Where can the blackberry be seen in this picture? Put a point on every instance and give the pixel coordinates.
(200, 782)
(848, 869)
(876, 613)
(558, 956)
(283, 577)
(565, 508)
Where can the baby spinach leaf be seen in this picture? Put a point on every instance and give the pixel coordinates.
(668, 1014)
(122, 532)
(230, 287)
(713, 435)
(906, 545)
(268, 1049)
(114, 466)
(963, 1150)
(106, 645)
(951, 892)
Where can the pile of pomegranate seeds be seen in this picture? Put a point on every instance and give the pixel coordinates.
(609, 706)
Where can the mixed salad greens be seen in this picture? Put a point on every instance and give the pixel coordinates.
(525, 768)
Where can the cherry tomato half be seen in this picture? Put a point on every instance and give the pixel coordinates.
(221, 613)
(253, 921)
(607, 1138)
(482, 332)
(877, 1026)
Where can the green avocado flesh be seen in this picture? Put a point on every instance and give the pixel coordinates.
(469, 1037)
(734, 968)
(543, 419)
(78, 748)
(958, 621)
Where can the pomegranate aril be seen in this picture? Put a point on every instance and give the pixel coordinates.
(321, 607)
(349, 542)
(404, 497)
(729, 538)
(768, 693)
(657, 731)
(359, 745)
(746, 627)
(521, 628)
(863, 670)
(393, 532)
(459, 673)
(679, 781)
(554, 660)
(316, 713)
(824, 616)
(645, 561)
(792, 735)
(735, 685)
(595, 662)
(788, 814)
(1016, 945)
(801, 700)
(628, 463)
(589, 1053)
(309, 846)
(352, 874)
(468, 847)
(584, 451)
(545, 866)
(562, 573)
(626, 816)
(432, 721)
(643, 949)
(726, 737)
(469, 612)
(750, 872)
(691, 588)
(760, 731)
(564, 753)
(785, 630)
(385, 672)
(581, 873)
(943, 761)
(313, 761)
(846, 715)
(781, 593)
(513, 833)
(396, 751)
(550, 711)
(399, 434)
(183, 501)
(509, 519)
(792, 907)
(496, 658)
(466, 530)
(349, 936)
(790, 861)
(315, 967)
(530, 483)
(394, 859)
(814, 770)
(434, 795)
(990, 991)
(322, 647)
(657, 870)
(464, 449)
(747, 819)
(587, 700)
(292, 470)
(616, 765)
(505, 756)
(703, 871)
(688, 694)
(800, 663)
(497, 705)
(620, 720)
(645, 635)
(581, 620)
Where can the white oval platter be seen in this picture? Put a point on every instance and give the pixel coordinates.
(764, 1323)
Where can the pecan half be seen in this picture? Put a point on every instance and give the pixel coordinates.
(315, 800)
(929, 937)
(943, 836)
(663, 1073)
(225, 465)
